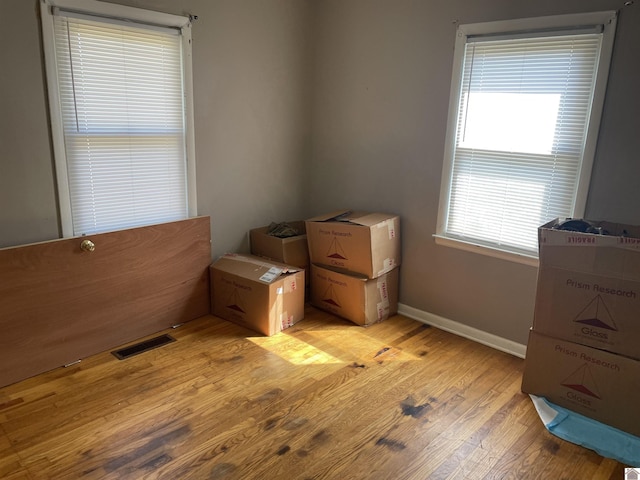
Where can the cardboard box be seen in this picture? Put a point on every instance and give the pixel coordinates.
(267, 297)
(355, 297)
(290, 250)
(616, 254)
(589, 287)
(597, 384)
(359, 242)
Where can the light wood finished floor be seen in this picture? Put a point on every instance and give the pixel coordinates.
(323, 400)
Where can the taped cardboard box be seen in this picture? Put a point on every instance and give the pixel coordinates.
(359, 242)
(597, 384)
(589, 287)
(264, 296)
(615, 254)
(355, 297)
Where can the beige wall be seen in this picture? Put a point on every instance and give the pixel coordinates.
(303, 106)
(252, 105)
(251, 67)
(382, 76)
(28, 211)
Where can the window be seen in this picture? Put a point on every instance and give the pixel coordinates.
(524, 113)
(119, 83)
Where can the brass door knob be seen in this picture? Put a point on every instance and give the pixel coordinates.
(88, 246)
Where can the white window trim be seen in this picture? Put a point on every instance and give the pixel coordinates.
(608, 19)
(109, 10)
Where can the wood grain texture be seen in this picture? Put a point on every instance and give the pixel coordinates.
(60, 304)
(324, 399)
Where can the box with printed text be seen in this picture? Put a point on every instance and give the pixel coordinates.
(358, 242)
(355, 297)
(588, 288)
(595, 383)
(261, 295)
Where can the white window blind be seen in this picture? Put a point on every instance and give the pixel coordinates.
(522, 118)
(123, 117)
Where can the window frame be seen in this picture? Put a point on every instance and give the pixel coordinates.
(517, 27)
(116, 13)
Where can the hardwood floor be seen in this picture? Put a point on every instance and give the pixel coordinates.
(323, 400)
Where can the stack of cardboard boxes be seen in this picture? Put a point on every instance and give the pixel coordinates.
(355, 257)
(354, 273)
(264, 291)
(584, 349)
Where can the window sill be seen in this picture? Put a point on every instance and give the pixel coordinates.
(486, 250)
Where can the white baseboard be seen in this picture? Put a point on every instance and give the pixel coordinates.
(488, 339)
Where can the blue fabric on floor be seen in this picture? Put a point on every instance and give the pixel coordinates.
(575, 428)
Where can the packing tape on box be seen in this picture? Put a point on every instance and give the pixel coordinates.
(387, 265)
(383, 288)
(383, 305)
(290, 284)
(390, 225)
(558, 238)
(286, 320)
(383, 311)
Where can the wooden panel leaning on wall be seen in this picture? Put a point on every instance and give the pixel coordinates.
(60, 303)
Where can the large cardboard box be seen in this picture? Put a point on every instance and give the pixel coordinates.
(598, 384)
(589, 287)
(355, 297)
(264, 296)
(359, 242)
(290, 250)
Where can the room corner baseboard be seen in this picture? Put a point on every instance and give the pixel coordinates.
(488, 339)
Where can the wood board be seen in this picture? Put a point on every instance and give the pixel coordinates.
(59, 303)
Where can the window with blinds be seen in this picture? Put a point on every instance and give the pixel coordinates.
(120, 113)
(523, 121)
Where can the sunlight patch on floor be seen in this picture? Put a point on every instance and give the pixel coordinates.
(294, 350)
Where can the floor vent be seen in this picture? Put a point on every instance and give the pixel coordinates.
(143, 346)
